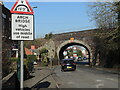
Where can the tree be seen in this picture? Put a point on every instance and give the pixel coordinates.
(44, 54)
(37, 42)
(48, 36)
(107, 18)
(105, 14)
(43, 50)
(79, 53)
(70, 52)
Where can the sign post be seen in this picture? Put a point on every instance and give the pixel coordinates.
(22, 28)
(22, 66)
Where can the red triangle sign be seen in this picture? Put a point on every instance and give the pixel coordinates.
(22, 7)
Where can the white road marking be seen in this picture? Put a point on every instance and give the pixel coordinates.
(98, 80)
(100, 83)
(110, 79)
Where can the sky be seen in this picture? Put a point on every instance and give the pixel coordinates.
(59, 17)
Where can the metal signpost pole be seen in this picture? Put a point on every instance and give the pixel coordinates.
(21, 66)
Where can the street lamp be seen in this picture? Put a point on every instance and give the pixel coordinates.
(34, 7)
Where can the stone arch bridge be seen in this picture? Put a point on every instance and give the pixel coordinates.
(59, 42)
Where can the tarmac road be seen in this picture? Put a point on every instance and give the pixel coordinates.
(85, 77)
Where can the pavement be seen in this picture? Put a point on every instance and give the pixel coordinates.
(110, 70)
(40, 78)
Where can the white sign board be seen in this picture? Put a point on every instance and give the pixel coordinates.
(22, 27)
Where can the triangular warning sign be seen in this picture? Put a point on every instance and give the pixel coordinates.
(22, 7)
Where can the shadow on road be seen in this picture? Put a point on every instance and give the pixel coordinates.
(45, 84)
(11, 84)
(40, 84)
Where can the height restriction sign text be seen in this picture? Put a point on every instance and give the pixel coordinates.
(22, 27)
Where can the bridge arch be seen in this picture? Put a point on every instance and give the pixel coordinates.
(68, 43)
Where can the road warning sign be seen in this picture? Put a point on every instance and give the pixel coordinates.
(22, 27)
(22, 7)
(22, 21)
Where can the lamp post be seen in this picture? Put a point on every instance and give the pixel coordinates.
(34, 17)
(34, 7)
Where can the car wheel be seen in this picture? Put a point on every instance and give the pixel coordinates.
(74, 70)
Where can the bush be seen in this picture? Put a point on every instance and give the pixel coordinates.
(26, 62)
(30, 61)
(13, 59)
(13, 63)
(31, 57)
(45, 62)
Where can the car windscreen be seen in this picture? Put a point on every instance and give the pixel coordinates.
(68, 61)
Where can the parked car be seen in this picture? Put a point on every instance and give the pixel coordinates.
(68, 64)
(84, 58)
(35, 63)
(79, 59)
(74, 58)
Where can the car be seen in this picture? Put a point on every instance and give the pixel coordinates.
(79, 59)
(35, 63)
(68, 64)
(84, 58)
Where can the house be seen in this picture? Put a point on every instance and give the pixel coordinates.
(6, 43)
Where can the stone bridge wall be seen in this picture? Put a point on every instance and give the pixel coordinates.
(86, 36)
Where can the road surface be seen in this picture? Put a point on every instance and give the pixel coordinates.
(85, 77)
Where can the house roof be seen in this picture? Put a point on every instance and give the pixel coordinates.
(28, 52)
